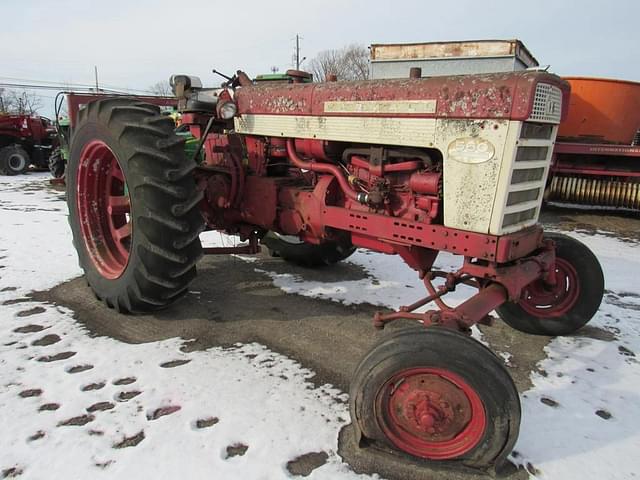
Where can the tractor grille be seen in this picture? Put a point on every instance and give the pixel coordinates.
(636, 139)
(547, 104)
(528, 175)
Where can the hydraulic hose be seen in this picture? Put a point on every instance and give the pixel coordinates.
(317, 167)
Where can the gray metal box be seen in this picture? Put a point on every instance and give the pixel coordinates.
(449, 58)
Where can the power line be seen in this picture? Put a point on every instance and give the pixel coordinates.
(73, 85)
(59, 87)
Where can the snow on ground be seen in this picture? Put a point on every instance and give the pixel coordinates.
(580, 420)
(73, 406)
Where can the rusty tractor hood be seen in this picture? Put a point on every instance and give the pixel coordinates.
(487, 96)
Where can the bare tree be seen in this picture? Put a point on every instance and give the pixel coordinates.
(348, 63)
(20, 102)
(6, 102)
(162, 89)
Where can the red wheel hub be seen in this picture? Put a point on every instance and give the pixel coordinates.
(551, 301)
(104, 209)
(431, 413)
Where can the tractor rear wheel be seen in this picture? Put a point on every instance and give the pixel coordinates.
(298, 252)
(133, 205)
(56, 164)
(438, 395)
(14, 160)
(569, 304)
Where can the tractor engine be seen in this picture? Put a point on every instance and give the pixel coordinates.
(316, 160)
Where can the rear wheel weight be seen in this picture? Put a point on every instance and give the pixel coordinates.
(437, 395)
(133, 206)
(568, 305)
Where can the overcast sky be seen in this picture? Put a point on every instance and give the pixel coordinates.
(135, 43)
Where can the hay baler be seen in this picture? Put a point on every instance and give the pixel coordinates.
(410, 167)
(597, 156)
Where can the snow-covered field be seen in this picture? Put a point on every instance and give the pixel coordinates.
(75, 406)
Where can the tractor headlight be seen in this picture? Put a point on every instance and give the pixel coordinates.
(227, 110)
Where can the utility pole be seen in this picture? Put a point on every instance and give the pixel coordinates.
(296, 55)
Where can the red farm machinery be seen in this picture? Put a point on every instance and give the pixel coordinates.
(409, 167)
(597, 156)
(25, 140)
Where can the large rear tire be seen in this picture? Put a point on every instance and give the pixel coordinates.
(133, 205)
(295, 251)
(14, 160)
(56, 164)
(438, 395)
(570, 304)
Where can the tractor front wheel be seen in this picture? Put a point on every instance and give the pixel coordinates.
(133, 205)
(14, 160)
(437, 395)
(567, 306)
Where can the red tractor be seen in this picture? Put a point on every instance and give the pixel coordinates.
(407, 167)
(25, 140)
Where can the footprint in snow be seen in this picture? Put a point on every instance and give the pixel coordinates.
(12, 472)
(162, 411)
(236, 450)
(100, 407)
(93, 386)
(206, 422)
(124, 381)
(29, 329)
(36, 436)
(30, 311)
(307, 463)
(33, 392)
(625, 351)
(56, 357)
(174, 363)
(78, 421)
(79, 368)
(549, 401)
(14, 301)
(49, 407)
(46, 340)
(126, 396)
(131, 441)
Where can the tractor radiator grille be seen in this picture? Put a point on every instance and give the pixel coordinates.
(547, 104)
(636, 139)
(528, 175)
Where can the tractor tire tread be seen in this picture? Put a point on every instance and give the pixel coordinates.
(165, 246)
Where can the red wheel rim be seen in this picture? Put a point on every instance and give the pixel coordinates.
(104, 209)
(431, 413)
(551, 301)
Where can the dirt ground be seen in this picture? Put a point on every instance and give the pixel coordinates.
(231, 302)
